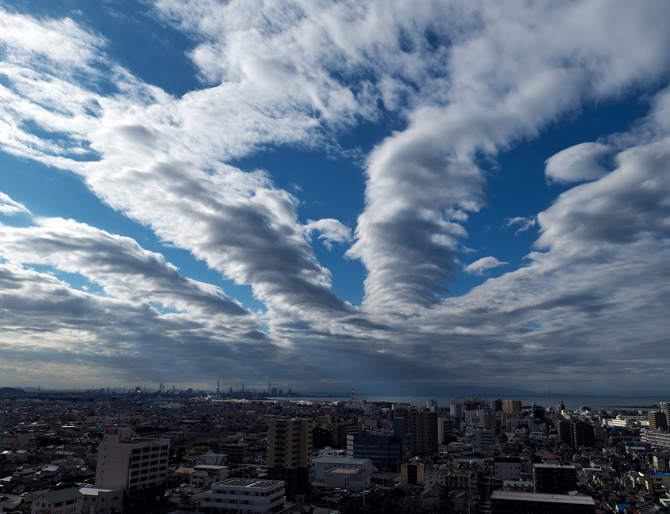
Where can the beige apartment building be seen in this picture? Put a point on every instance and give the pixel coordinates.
(289, 453)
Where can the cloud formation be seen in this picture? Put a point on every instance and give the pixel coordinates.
(10, 207)
(441, 88)
(481, 265)
(578, 163)
(523, 223)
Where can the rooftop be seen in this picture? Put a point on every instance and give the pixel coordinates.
(540, 497)
(62, 495)
(250, 483)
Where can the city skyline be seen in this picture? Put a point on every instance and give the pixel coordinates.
(382, 195)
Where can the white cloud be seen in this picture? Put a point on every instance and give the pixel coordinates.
(578, 163)
(57, 45)
(10, 207)
(523, 223)
(481, 265)
(330, 231)
(508, 78)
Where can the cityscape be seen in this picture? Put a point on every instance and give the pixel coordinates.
(334, 256)
(184, 451)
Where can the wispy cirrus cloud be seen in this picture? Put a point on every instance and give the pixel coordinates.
(11, 207)
(522, 223)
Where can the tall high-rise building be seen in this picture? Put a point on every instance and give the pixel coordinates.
(664, 407)
(512, 406)
(583, 434)
(445, 429)
(422, 432)
(657, 420)
(400, 434)
(289, 453)
(340, 433)
(137, 466)
(457, 407)
(322, 437)
(384, 451)
(564, 428)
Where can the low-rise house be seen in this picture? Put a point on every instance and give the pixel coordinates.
(62, 501)
(205, 475)
(101, 500)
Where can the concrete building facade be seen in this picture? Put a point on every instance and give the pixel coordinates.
(322, 464)
(512, 502)
(246, 496)
(289, 453)
(136, 466)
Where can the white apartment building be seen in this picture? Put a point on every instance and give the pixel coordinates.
(131, 464)
(625, 421)
(246, 496)
(656, 438)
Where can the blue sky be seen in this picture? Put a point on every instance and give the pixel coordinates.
(381, 195)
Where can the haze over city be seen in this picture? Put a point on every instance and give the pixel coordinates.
(395, 196)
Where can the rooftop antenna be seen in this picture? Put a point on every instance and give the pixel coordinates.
(353, 396)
